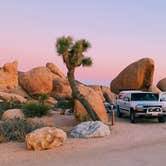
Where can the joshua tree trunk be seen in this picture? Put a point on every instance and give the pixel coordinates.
(76, 95)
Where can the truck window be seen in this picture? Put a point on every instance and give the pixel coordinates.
(144, 97)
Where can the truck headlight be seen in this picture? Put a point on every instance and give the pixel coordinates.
(164, 108)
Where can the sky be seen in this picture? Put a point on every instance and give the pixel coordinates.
(120, 32)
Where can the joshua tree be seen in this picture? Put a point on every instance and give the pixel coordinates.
(73, 56)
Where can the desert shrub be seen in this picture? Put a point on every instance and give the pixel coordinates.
(42, 98)
(64, 104)
(34, 109)
(16, 129)
(5, 105)
(84, 118)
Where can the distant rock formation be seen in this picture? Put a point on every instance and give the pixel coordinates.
(8, 76)
(162, 84)
(138, 75)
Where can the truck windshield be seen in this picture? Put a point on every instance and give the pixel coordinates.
(144, 97)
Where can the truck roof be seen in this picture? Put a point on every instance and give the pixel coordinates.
(134, 91)
(131, 91)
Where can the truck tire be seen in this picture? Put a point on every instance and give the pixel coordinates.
(161, 119)
(118, 113)
(132, 116)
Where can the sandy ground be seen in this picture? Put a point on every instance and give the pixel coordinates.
(141, 144)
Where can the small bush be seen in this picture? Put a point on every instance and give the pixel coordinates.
(84, 118)
(16, 129)
(8, 105)
(35, 109)
(64, 104)
(42, 98)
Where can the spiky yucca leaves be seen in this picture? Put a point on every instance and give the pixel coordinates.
(87, 61)
(72, 52)
(63, 45)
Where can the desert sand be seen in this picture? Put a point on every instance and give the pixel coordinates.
(129, 144)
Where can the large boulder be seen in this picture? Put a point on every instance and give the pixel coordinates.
(162, 84)
(105, 93)
(45, 138)
(108, 95)
(154, 89)
(12, 113)
(138, 75)
(55, 70)
(12, 97)
(97, 88)
(8, 76)
(94, 100)
(90, 129)
(61, 88)
(36, 81)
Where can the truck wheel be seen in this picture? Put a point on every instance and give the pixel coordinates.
(132, 116)
(161, 119)
(118, 113)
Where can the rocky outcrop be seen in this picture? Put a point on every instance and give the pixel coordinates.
(12, 97)
(45, 138)
(20, 91)
(108, 95)
(12, 113)
(162, 84)
(61, 89)
(95, 101)
(91, 129)
(97, 88)
(138, 75)
(55, 70)
(154, 89)
(36, 81)
(105, 93)
(8, 76)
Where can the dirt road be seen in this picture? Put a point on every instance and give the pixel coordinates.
(142, 144)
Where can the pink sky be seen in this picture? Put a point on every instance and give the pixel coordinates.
(120, 33)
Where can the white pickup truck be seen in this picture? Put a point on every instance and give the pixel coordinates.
(141, 104)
